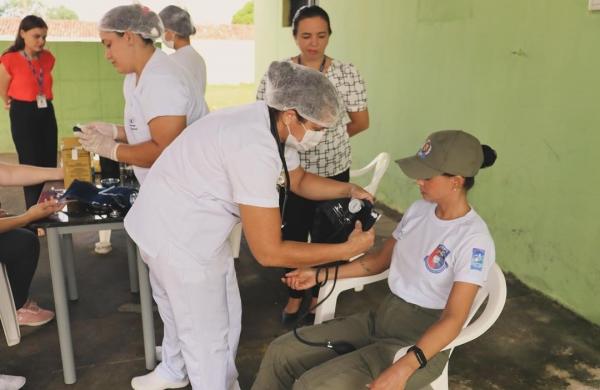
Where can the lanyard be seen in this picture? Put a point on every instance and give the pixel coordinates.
(320, 67)
(38, 77)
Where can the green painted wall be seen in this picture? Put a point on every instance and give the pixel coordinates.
(521, 75)
(86, 88)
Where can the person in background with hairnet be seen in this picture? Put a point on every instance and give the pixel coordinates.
(178, 29)
(160, 100)
(222, 169)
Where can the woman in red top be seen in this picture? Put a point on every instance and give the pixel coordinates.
(26, 88)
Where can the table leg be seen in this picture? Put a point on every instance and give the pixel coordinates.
(69, 264)
(132, 262)
(61, 306)
(147, 315)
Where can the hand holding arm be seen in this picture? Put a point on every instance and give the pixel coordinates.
(262, 229)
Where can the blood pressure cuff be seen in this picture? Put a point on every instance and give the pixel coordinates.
(333, 222)
(101, 200)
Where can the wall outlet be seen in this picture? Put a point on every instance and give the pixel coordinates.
(594, 5)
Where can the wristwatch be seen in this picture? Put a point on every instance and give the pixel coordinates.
(420, 355)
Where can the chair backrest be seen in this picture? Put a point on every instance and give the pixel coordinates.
(495, 292)
(379, 165)
(8, 314)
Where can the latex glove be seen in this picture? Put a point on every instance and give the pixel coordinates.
(96, 142)
(109, 129)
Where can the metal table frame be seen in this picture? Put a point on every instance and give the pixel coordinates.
(62, 271)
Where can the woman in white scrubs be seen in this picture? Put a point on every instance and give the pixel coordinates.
(178, 29)
(160, 100)
(224, 168)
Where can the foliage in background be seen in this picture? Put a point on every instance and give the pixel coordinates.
(21, 8)
(245, 15)
(61, 13)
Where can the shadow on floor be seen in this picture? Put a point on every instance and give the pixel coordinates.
(536, 343)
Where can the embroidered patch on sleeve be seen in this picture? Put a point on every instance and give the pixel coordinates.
(477, 259)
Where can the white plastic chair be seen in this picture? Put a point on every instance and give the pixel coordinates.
(379, 165)
(494, 290)
(8, 313)
(235, 239)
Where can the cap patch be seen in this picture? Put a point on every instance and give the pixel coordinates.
(425, 149)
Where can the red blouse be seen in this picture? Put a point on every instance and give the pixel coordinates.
(24, 84)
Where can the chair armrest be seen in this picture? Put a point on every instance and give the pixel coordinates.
(326, 310)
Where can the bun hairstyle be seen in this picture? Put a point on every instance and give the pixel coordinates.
(489, 158)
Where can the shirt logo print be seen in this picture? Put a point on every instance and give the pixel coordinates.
(477, 259)
(436, 261)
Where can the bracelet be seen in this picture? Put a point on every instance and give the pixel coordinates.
(419, 355)
(317, 276)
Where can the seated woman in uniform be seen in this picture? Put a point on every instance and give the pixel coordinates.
(439, 255)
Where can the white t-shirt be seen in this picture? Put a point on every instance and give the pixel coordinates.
(431, 254)
(193, 190)
(162, 90)
(190, 60)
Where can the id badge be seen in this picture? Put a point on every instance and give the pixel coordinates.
(41, 101)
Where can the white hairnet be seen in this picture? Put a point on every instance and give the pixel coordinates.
(135, 18)
(177, 20)
(309, 92)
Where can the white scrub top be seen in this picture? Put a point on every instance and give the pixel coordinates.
(191, 195)
(431, 254)
(190, 60)
(162, 90)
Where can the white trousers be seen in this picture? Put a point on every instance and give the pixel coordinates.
(199, 303)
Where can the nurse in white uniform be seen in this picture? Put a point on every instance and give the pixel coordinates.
(178, 29)
(221, 169)
(160, 100)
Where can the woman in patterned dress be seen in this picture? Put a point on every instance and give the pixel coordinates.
(332, 156)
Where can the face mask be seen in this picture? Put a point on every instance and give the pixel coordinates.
(310, 140)
(169, 44)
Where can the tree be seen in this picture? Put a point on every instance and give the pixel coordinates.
(245, 15)
(62, 12)
(20, 8)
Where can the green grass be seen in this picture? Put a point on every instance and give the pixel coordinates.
(217, 96)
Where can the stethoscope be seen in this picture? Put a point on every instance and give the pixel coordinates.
(340, 347)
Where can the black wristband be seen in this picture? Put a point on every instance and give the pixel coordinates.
(419, 355)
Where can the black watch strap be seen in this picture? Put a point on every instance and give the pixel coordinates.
(420, 356)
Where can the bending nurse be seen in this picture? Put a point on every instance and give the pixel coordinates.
(223, 169)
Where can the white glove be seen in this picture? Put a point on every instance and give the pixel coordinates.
(96, 142)
(109, 129)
